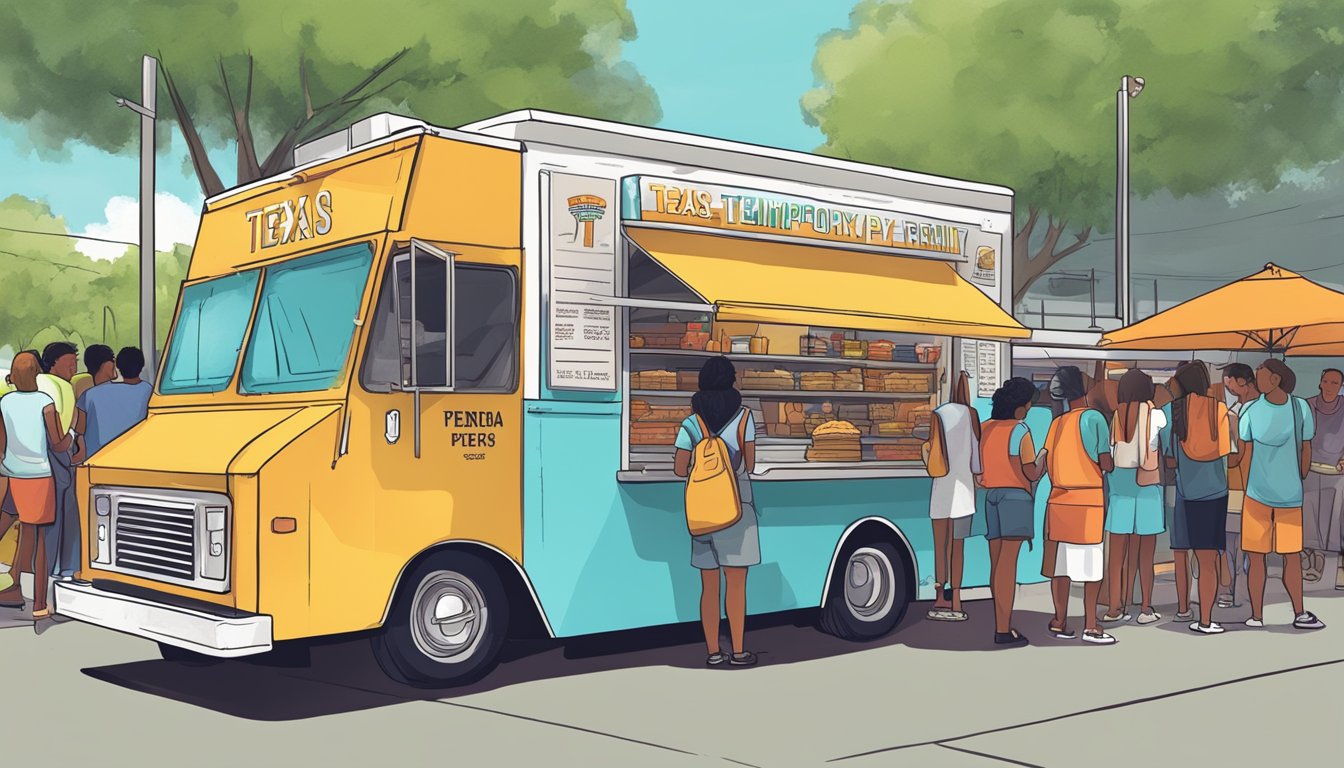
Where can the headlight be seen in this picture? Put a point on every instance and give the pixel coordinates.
(214, 565)
(102, 505)
(100, 549)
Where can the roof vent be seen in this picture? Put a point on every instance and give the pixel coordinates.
(368, 130)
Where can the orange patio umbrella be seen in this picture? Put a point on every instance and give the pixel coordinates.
(1273, 311)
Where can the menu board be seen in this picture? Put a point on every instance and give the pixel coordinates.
(981, 360)
(582, 245)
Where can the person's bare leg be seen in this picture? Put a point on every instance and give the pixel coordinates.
(709, 608)
(23, 553)
(958, 557)
(1255, 585)
(1115, 569)
(1091, 596)
(1292, 581)
(1147, 573)
(941, 554)
(1208, 583)
(1181, 558)
(42, 572)
(1059, 590)
(1003, 583)
(1131, 566)
(736, 600)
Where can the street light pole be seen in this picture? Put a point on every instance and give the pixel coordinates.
(149, 84)
(1130, 87)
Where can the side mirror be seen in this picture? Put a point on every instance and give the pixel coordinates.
(392, 431)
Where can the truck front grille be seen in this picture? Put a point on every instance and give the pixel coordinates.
(156, 537)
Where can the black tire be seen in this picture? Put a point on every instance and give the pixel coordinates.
(184, 656)
(878, 598)
(419, 648)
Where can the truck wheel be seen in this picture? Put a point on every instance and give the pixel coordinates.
(869, 592)
(447, 623)
(184, 656)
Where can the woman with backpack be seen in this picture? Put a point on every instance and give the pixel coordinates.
(953, 461)
(1198, 438)
(1135, 508)
(716, 452)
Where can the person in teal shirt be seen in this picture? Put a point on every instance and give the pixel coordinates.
(1277, 430)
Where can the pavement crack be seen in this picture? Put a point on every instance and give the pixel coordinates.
(1092, 711)
(579, 728)
(988, 756)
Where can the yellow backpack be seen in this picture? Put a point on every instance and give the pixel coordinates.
(713, 502)
(935, 450)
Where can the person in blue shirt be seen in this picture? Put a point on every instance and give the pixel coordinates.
(106, 411)
(1277, 430)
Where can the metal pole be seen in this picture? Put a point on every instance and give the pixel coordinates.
(149, 81)
(1156, 307)
(1092, 298)
(1042, 314)
(1122, 202)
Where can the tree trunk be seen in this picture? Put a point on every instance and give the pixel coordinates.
(200, 159)
(1028, 267)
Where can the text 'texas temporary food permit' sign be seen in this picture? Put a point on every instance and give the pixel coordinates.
(583, 264)
(671, 201)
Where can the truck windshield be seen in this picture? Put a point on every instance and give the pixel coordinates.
(305, 321)
(210, 327)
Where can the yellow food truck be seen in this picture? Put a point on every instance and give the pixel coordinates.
(428, 385)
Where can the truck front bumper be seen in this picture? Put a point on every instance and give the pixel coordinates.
(189, 628)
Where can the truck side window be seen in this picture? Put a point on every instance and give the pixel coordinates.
(485, 329)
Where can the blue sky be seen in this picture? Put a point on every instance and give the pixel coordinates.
(751, 67)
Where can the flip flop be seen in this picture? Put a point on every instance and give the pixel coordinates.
(947, 615)
(1062, 633)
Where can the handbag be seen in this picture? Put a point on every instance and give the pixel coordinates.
(1149, 473)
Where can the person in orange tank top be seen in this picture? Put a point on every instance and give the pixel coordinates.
(1008, 460)
(1076, 456)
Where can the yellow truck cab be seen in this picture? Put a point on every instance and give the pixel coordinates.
(428, 383)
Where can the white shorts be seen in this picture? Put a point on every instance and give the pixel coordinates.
(1080, 562)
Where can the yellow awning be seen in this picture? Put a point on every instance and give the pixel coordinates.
(757, 281)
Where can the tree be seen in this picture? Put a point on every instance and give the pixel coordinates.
(266, 76)
(1022, 92)
(49, 289)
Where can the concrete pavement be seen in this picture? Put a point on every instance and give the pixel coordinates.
(930, 694)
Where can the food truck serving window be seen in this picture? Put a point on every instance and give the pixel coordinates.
(305, 321)
(209, 331)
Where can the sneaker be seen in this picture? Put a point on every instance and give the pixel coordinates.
(716, 659)
(1185, 615)
(1099, 638)
(1255, 623)
(1148, 617)
(1011, 638)
(743, 659)
(1308, 620)
(1212, 628)
(1116, 618)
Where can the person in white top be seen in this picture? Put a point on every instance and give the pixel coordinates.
(952, 502)
(1135, 509)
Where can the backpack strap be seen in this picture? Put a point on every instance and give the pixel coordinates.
(742, 436)
(1297, 433)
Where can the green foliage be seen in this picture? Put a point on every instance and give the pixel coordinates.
(466, 60)
(50, 291)
(1023, 93)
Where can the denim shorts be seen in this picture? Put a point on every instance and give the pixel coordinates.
(1010, 513)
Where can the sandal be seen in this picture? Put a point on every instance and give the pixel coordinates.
(743, 659)
(947, 615)
(1098, 637)
(1116, 618)
(1225, 601)
(41, 613)
(715, 659)
(1011, 638)
(1062, 633)
(1185, 615)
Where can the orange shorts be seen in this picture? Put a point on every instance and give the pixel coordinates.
(1266, 529)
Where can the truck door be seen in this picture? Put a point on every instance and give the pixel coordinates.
(444, 406)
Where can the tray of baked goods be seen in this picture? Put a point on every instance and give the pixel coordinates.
(655, 423)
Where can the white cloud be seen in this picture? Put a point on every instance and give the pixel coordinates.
(175, 221)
